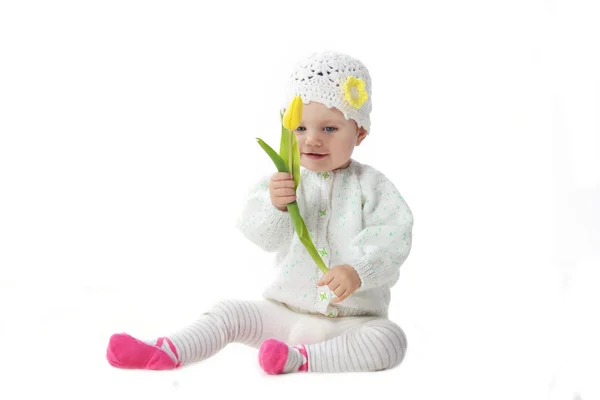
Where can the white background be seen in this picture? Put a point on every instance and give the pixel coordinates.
(127, 143)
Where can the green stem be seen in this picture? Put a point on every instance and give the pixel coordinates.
(294, 211)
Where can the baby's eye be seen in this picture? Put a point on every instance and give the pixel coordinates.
(300, 129)
(330, 129)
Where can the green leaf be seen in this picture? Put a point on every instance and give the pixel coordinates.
(297, 219)
(304, 236)
(276, 158)
(312, 250)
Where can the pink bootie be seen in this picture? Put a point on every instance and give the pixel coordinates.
(125, 351)
(273, 355)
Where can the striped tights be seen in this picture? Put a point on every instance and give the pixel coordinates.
(288, 341)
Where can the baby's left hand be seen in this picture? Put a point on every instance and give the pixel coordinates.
(343, 280)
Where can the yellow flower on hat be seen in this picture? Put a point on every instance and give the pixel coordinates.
(355, 91)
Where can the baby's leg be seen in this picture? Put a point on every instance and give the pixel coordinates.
(374, 345)
(355, 345)
(248, 322)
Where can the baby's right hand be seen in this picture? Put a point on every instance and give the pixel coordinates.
(281, 189)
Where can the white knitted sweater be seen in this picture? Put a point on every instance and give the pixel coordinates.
(355, 216)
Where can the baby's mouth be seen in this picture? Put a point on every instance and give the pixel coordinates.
(315, 156)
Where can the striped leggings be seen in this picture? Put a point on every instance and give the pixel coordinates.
(348, 344)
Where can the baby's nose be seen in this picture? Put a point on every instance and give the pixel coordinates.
(312, 139)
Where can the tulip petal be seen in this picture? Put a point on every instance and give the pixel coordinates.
(287, 116)
(293, 114)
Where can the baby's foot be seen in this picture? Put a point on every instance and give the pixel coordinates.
(125, 351)
(276, 357)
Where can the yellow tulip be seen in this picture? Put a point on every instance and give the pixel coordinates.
(293, 114)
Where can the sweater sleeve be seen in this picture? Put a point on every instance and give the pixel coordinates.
(385, 242)
(261, 222)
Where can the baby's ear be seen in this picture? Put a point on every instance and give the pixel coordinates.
(362, 134)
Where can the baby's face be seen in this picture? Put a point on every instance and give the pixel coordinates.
(326, 139)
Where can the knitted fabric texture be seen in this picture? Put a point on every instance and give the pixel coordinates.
(355, 216)
(336, 80)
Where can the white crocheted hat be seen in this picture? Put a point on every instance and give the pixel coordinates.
(336, 80)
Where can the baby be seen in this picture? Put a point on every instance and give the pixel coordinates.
(308, 321)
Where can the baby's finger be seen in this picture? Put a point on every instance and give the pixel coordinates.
(286, 200)
(334, 285)
(326, 279)
(342, 297)
(281, 176)
(339, 290)
(288, 183)
(281, 192)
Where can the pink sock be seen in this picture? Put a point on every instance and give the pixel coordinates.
(125, 351)
(276, 357)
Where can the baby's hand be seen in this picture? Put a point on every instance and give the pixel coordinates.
(281, 189)
(343, 280)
